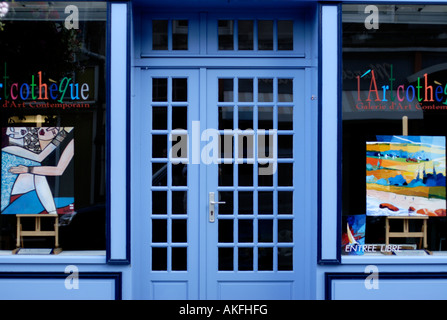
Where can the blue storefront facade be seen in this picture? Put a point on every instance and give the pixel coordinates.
(215, 150)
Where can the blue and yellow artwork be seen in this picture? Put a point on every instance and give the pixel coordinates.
(37, 174)
(406, 176)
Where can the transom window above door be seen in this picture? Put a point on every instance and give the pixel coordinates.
(185, 35)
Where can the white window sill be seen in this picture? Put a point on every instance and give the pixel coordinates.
(439, 257)
(65, 257)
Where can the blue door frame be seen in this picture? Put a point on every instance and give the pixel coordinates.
(204, 277)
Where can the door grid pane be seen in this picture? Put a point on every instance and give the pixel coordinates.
(255, 225)
(169, 190)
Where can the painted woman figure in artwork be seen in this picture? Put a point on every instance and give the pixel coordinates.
(32, 158)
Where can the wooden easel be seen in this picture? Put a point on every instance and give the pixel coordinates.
(406, 220)
(38, 232)
(406, 230)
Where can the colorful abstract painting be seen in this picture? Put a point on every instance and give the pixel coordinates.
(37, 170)
(353, 236)
(406, 176)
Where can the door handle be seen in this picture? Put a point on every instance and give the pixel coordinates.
(211, 208)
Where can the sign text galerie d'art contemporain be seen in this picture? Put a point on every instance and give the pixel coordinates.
(38, 93)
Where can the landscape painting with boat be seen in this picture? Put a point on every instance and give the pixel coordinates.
(406, 176)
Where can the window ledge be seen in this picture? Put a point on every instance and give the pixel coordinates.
(435, 258)
(65, 257)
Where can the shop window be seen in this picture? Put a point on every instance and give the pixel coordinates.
(53, 121)
(394, 110)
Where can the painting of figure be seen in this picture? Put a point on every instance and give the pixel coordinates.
(405, 176)
(37, 170)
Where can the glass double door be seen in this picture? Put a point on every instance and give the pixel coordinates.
(221, 160)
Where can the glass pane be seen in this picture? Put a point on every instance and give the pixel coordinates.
(245, 233)
(179, 230)
(285, 35)
(245, 34)
(266, 142)
(285, 174)
(245, 115)
(179, 202)
(159, 118)
(285, 202)
(285, 259)
(225, 231)
(226, 90)
(179, 259)
(225, 118)
(245, 92)
(159, 174)
(265, 259)
(227, 197)
(179, 118)
(225, 34)
(160, 35)
(245, 259)
(225, 175)
(159, 89)
(285, 90)
(265, 230)
(285, 118)
(245, 174)
(159, 202)
(245, 202)
(285, 146)
(225, 259)
(265, 202)
(180, 35)
(265, 179)
(179, 89)
(226, 146)
(245, 146)
(159, 230)
(179, 174)
(179, 146)
(285, 230)
(265, 91)
(159, 146)
(265, 35)
(159, 259)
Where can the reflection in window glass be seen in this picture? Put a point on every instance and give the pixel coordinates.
(160, 35)
(405, 61)
(245, 34)
(160, 89)
(265, 90)
(285, 90)
(265, 35)
(226, 90)
(225, 34)
(285, 35)
(180, 35)
(245, 93)
(179, 89)
(40, 55)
